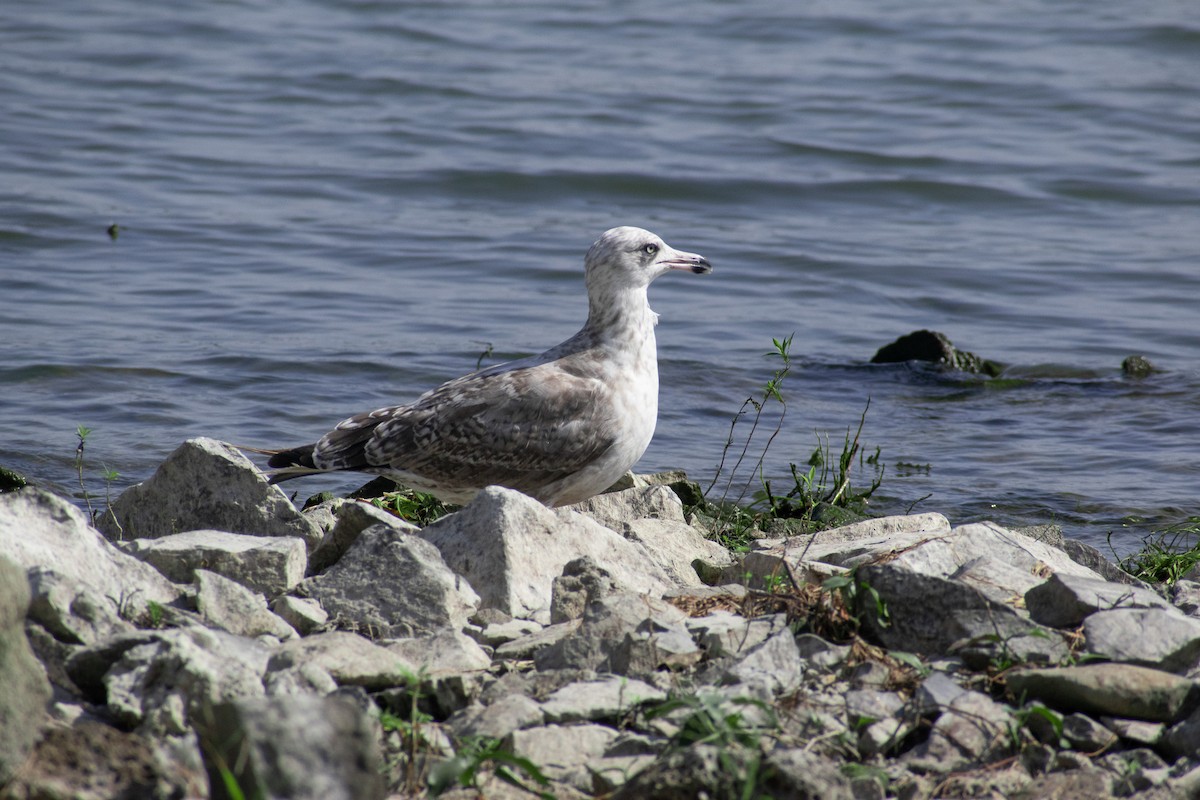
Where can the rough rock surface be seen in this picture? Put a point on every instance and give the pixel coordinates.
(935, 348)
(205, 485)
(267, 565)
(392, 584)
(24, 689)
(302, 748)
(941, 662)
(83, 588)
(234, 608)
(527, 545)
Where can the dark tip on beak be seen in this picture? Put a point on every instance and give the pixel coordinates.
(696, 264)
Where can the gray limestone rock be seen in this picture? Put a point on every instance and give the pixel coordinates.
(299, 747)
(723, 633)
(563, 751)
(1064, 600)
(1086, 734)
(1135, 731)
(804, 775)
(447, 652)
(704, 770)
(1183, 738)
(614, 510)
(501, 633)
(582, 582)
(89, 760)
(1151, 637)
(268, 565)
(676, 546)
(775, 665)
(530, 645)
(160, 681)
(348, 657)
(511, 547)
(606, 698)
(626, 634)
(83, 587)
(206, 485)
(302, 613)
(302, 678)
(773, 558)
(498, 719)
(1088, 556)
(351, 518)
(935, 693)
(972, 729)
(1120, 690)
(232, 607)
(928, 614)
(392, 584)
(821, 654)
(24, 690)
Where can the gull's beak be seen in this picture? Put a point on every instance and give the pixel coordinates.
(678, 259)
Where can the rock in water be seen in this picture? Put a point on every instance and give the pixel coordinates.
(935, 348)
(560, 427)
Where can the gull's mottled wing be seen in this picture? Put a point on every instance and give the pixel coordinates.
(523, 427)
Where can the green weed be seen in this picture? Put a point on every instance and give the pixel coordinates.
(1167, 555)
(418, 508)
(729, 725)
(741, 511)
(859, 596)
(477, 753)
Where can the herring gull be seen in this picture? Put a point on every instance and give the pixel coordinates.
(560, 427)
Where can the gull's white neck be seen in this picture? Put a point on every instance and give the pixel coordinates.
(622, 323)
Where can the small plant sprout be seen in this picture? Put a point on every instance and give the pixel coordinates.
(83, 432)
(770, 391)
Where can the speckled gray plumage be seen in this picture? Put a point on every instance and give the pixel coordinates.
(560, 426)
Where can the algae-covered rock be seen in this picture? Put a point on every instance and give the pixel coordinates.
(935, 348)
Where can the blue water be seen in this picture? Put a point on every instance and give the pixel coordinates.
(325, 208)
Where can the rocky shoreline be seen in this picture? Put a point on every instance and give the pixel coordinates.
(209, 639)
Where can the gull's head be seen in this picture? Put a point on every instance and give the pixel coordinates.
(630, 257)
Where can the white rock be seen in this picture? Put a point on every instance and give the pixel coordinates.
(393, 584)
(206, 485)
(301, 613)
(609, 697)
(232, 607)
(348, 657)
(511, 547)
(775, 665)
(509, 713)
(352, 517)
(299, 747)
(174, 676)
(675, 545)
(1150, 637)
(269, 565)
(444, 653)
(563, 752)
(615, 509)
(723, 633)
(81, 583)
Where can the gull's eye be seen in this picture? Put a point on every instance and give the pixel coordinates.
(650, 249)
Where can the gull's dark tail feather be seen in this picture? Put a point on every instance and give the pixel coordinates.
(293, 462)
(293, 457)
